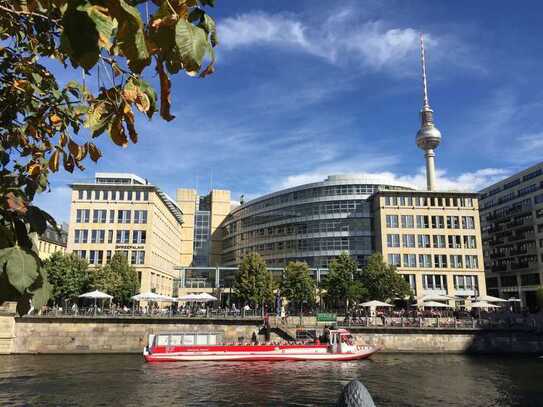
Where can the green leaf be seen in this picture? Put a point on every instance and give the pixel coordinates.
(209, 25)
(86, 29)
(21, 267)
(130, 35)
(191, 45)
(36, 218)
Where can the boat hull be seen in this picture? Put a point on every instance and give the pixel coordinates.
(279, 355)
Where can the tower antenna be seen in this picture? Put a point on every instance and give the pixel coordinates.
(428, 136)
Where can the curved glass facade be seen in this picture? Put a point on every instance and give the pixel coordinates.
(312, 222)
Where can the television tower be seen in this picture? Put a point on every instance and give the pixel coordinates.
(428, 136)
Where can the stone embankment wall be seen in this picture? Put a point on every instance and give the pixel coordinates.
(412, 340)
(101, 335)
(129, 335)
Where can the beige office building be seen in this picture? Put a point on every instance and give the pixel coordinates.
(202, 231)
(123, 213)
(433, 239)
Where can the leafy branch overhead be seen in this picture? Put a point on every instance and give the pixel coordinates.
(44, 126)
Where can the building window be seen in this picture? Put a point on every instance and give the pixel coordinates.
(393, 240)
(453, 222)
(81, 254)
(111, 216)
(81, 236)
(456, 261)
(407, 221)
(425, 260)
(138, 236)
(440, 261)
(98, 236)
(80, 194)
(392, 221)
(408, 240)
(394, 259)
(438, 222)
(145, 195)
(466, 282)
(110, 236)
(470, 242)
(422, 222)
(140, 217)
(96, 257)
(471, 262)
(424, 241)
(108, 256)
(455, 242)
(468, 222)
(123, 253)
(138, 257)
(439, 241)
(434, 282)
(123, 216)
(99, 215)
(83, 216)
(123, 236)
(128, 195)
(410, 260)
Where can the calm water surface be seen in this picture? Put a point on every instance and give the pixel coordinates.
(393, 380)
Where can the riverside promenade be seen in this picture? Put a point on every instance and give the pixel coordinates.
(128, 334)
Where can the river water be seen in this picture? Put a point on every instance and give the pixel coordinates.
(393, 380)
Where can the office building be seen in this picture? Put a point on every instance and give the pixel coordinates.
(512, 229)
(202, 234)
(312, 223)
(433, 239)
(123, 213)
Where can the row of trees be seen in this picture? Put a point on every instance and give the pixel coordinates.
(70, 277)
(343, 286)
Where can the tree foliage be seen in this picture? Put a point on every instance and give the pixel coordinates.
(341, 285)
(68, 275)
(117, 278)
(46, 126)
(253, 283)
(382, 281)
(297, 285)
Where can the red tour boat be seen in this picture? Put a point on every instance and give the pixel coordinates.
(182, 347)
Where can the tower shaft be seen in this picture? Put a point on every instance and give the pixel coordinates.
(429, 155)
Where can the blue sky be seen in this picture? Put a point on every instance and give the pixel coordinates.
(304, 89)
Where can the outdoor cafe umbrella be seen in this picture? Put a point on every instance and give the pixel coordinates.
(205, 297)
(489, 298)
(189, 298)
(483, 304)
(436, 297)
(149, 296)
(375, 303)
(434, 304)
(96, 295)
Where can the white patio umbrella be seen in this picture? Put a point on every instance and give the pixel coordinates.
(205, 297)
(375, 303)
(513, 299)
(436, 297)
(435, 304)
(189, 298)
(489, 298)
(483, 304)
(97, 295)
(149, 296)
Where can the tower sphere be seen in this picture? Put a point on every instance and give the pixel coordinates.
(428, 137)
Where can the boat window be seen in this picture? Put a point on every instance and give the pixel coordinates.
(162, 340)
(176, 340)
(188, 339)
(212, 339)
(201, 339)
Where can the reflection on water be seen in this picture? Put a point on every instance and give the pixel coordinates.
(393, 380)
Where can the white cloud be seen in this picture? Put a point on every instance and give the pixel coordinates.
(373, 43)
(469, 181)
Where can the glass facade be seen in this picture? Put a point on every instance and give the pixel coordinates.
(202, 233)
(312, 223)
